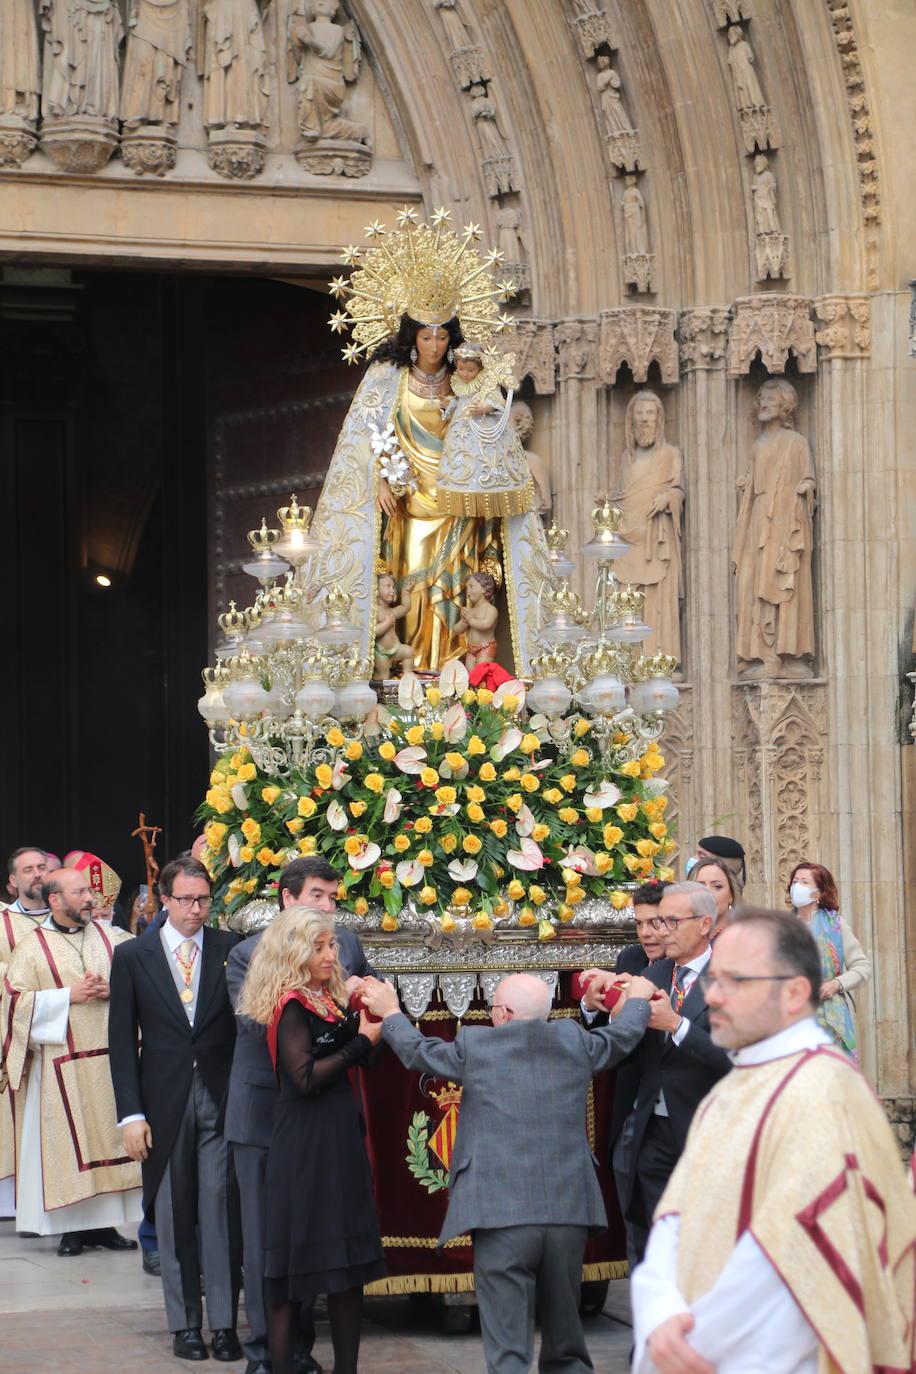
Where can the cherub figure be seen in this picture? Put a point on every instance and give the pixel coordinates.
(389, 650)
(478, 620)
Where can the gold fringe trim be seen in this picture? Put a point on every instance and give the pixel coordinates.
(422, 1242)
(605, 1269)
(488, 504)
(464, 1283)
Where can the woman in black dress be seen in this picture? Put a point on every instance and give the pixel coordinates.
(321, 1234)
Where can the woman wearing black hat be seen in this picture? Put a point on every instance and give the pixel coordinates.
(730, 851)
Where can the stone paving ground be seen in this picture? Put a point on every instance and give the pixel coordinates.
(100, 1313)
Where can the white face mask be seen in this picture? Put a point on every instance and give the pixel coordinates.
(801, 895)
(690, 865)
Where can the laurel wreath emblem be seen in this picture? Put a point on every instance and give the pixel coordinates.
(417, 1157)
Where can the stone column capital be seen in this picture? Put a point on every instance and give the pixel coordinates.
(702, 333)
(776, 325)
(533, 346)
(577, 349)
(638, 335)
(845, 326)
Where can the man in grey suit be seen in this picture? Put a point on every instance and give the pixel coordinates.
(253, 1092)
(523, 1178)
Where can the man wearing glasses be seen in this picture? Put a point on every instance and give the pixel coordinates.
(168, 990)
(785, 1239)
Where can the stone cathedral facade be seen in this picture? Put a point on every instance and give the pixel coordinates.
(691, 199)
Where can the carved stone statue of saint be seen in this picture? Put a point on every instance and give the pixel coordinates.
(80, 58)
(748, 94)
(607, 81)
(158, 48)
(19, 76)
(635, 225)
(508, 233)
(492, 139)
(774, 543)
(652, 503)
(457, 32)
(763, 191)
(523, 424)
(323, 60)
(234, 65)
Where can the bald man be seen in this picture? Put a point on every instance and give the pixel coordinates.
(523, 1179)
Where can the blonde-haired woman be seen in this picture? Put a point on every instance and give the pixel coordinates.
(320, 1229)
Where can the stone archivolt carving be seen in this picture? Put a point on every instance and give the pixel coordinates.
(703, 335)
(510, 242)
(577, 347)
(523, 424)
(464, 52)
(532, 342)
(638, 335)
(776, 325)
(771, 245)
(847, 45)
(20, 82)
(497, 163)
(774, 544)
(846, 330)
(622, 137)
(652, 502)
(232, 56)
(323, 59)
(758, 128)
(158, 50)
(729, 11)
(79, 100)
(913, 319)
(593, 26)
(638, 261)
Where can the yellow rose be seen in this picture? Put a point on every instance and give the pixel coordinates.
(647, 848)
(669, 846)
(482, 921)
(546, 930)
(246, 854)
(220, 800)
(270, 794)
(387, 750)
(514, 802)
(612, 835)
(446, 795)
(512, 774)
(415, 735)
(580, 758)
(530, 744)
(500, 908)
(449, 843)
(530, 782)
(476, 745)
(630, 862)
(510, 703)
(427, 895)
(469, 697)
(539, 833)
(429, 777)
(433, 696)
(447, 922)
(499, 828)
(659, 830)
(664, 874)
(570, 877)
(436, 729)
(295, 825)
(643, 868)
(335, 737)
(661, 805)
(569, 814)
(565, 912)
(238, 759)
(515, 890)
(324, 775)
(374, 781)
(619, 900)
(475, 794)
(568, 782)
(498, 872)
(593, 814)
(484, 696)
(628, 811)
(215, 833)
(354, 843)
(230, 780)
(357, 808)
(307, 806)
(603, 862)
(553, 795)
(423, 826)
(247, 772)
(354, 750)
(574, 895)
(454, 760)
(460, 896)
(582, 727)
(471, 844)
(537, 894)
(487, 772)
(361, 906)
(386, 877)
(389, 922)
(401, 842)
(475, 812)
(526, 917)
(265, 856)
(216, 777)
(425, 857)
(250, 885)
(251, 830)
(631, 769)
(307, 845)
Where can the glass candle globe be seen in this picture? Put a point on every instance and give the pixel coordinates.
(315, 698)
(605, 695)
(550, 695)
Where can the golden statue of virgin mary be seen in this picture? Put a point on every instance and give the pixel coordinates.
(436, 505)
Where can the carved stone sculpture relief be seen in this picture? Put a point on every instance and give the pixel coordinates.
(638, 335)
(79, 101)
(771, 245)
(323, 60)
(729, 11)
(758, 128)
(847, 45)
(776, 325)
(652, 501)
(464, 52)
(158, 50)
(510, 242)
(638, 261)
(532, 344)
(622, 137)
(846, 328)
(20, 82)
(232, 55)
(703, 336)
(523, 423)
(497, 163)
(593, 26)
(577, 342)
(774, 544)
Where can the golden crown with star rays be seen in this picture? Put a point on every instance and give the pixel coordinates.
(422, 270)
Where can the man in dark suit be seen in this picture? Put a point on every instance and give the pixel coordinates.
(168, 990)
(522, 1179)
(252, 1094)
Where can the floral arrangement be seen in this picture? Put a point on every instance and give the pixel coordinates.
(455, 803)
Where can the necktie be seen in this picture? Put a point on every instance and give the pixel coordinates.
(679, 986)
(185, 954)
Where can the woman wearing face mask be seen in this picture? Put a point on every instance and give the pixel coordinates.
(723, 885)
(729, 852)
(844, 964)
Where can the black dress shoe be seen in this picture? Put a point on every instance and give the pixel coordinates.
(304, 1363)
(70, 1245)
(189, 1345)
(151, 1264)
(107, 1238)
(257, 1367)
(225, 1345)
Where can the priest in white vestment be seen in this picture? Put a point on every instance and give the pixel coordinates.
(785, 1242)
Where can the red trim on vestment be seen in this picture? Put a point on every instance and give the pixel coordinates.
(82, 1165)
(745, 1207)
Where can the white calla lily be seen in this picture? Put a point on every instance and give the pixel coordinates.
(336, 816)
(239, 795)
(340, 777)
(367, 856)
(528, 857)
(510, 739)
(409, 872)
(602, 796)
(524, 820)
(453, 679)
(410, 692)
(512, 688)
(235, 844)
(463, 870)
(392, 806)
(410, 760)
(454, 724)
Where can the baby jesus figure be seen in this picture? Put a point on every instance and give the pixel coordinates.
(478, 620)
(389, 650)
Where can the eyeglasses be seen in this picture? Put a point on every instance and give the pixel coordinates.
(651, 923)
(729, 983)
(187, 902)
(671, 922)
